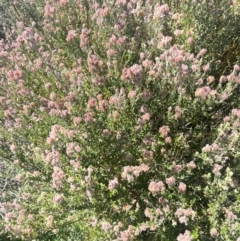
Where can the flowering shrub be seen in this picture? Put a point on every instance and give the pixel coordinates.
(114, 127)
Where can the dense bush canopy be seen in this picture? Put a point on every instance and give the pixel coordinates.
(120, 120)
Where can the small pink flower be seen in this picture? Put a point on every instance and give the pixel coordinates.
(144, 108)
(191, 165)
(113, 183)
(134, 73)
(74, 164)
(164, 130)
(161, 10)
(147, 154)
(200, 81)
(203, 92)
(156, 187)
(115, 115)
(148, 214)
(119, 26)
(222, 79)
(226, 119)
(201, 53)
(144, 167)
(88, 117)
(16, 162)
(121, 41)
(190, 40)
(77, 148)
(132, 94)
(224, 96)
(94, 222)
(111, 52)
(102, 105)
(91, 103)
(147, 63)
(210, 79)
(90, 170)
(58, 198)
(19, 177)
(236, 67)
(178, 32)
(177, 168)
(207, 148)
(13, 148)
(170, 181)
(216, 170)
(215, 147)
(229, 215)
(183, 219)
(143, 227)
(182, 187)
(184, 237)
(214, 232)
(64, 2)
(84, 37)
(178, 112)
(206, 67)
(114, 100)
(165, 41)
(168, 140)
(106, 226)
(106, 132)
(146, 117)
(178, 59)
(76, 120)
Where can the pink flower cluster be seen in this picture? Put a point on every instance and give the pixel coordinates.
(58, 198)
(203, 92)
(49, 10)
(127, 235)
(178, 112)
(170, 181)
(57, 177)
(84, 37)
(71, 35)
(236, 112)
(106, 226)
(53, 135)
(156, 187)
(216, 170)
(94, 63)
(182, 187)
(211, 148)
(133, 74)
(164, 131)
(184, 214)
(72, 148)
(52, 157)
(185, 237)
(213, 232)
(113, 184)
(130, 172)
(160, 11)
